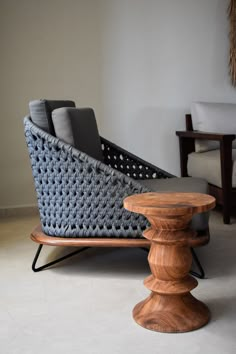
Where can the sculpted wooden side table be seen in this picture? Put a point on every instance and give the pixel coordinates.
(170, 307)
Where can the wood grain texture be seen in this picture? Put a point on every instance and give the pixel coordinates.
(170, 306)
(182, 314)
(176, 204)
(37, 235)
(196, 134)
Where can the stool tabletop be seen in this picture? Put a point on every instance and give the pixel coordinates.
(169, 203)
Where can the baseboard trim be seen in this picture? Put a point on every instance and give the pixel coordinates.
(29, 210)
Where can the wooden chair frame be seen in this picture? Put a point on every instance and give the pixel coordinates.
(225, 196)
(38, 236)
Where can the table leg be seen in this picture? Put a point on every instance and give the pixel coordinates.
(170, 307)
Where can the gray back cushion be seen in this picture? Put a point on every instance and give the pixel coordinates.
(41, 112)
(78, 127)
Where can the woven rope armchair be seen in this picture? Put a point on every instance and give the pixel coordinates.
(80, 198)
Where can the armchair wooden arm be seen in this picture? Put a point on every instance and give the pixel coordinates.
(187, 145)
(196, 134)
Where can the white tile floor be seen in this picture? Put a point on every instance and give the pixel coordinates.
(85, 304)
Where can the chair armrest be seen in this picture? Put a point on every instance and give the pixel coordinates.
(130, 164)
(195, 134)
(186, 146)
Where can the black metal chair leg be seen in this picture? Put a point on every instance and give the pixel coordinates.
(201, 273)
(53, 262)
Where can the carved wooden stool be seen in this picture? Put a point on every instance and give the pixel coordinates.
(170, 307)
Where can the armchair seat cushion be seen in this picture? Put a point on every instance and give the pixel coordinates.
(183, 184)
(207, 165)
(175, 184)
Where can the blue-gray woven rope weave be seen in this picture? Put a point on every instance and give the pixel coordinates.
(79, 196)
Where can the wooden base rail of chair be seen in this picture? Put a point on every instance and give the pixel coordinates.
(170, 307)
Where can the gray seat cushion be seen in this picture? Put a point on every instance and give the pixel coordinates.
(176, 184)
(41, 110)
(183, 184)
(207, 165)
(78, 127)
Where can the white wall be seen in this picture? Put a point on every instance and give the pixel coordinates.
(49, 49)
(139, 63)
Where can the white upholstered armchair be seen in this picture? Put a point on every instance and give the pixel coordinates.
(208, 150)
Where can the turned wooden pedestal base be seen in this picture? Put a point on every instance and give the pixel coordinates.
(170, 307)
(177, 313)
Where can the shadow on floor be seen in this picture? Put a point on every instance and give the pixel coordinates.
(96, 261)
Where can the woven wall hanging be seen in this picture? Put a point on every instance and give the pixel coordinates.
(232, 38)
